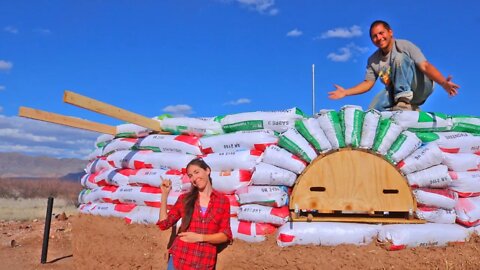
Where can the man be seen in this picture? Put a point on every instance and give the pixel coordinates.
(402, 67)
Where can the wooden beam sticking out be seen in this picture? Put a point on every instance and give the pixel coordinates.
(110, 110)
(65, 120)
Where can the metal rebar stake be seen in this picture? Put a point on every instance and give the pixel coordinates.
(46, 231)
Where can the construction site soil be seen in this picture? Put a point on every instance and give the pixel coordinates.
(91, 242)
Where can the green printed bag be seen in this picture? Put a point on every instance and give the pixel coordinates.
(296, 144)
(311, 131)
(329, 122)
(387, 133)
(351, 119)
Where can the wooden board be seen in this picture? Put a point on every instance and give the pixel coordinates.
(66, 120)
(347, 218)
(352, 181)
(110, 110)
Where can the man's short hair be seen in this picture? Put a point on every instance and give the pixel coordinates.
(377, 22)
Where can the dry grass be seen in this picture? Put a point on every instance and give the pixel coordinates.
(26, 199)
(29, 209)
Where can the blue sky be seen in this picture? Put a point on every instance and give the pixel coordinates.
(210, 57)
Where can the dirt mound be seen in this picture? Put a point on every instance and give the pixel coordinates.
(109, 243)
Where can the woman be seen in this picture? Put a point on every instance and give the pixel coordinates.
(205, 215)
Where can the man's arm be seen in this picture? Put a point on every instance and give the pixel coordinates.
(432, 72)
(360, 88)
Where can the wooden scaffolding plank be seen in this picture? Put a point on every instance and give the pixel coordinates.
(110, 110)
(66, 120)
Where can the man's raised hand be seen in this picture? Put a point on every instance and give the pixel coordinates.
(338, 93)
(450, 87)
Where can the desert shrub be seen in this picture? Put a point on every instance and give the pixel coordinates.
(39, 188)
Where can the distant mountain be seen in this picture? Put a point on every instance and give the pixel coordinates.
(13, 165)
(75, 177)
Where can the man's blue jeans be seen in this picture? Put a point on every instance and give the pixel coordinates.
(407, 81)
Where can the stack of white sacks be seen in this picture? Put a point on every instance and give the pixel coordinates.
(257, 161)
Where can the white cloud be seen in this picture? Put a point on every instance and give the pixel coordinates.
(23, 135)
(346, 53)
(354, 31)
(15, 133)
(358, 49)
(11, 29)
(238, 102)
(5, 65)
(273, 11)
(294, 33)
(46, 151)
(261, 6)
(178, 110)
(2, 87)
(42, 31)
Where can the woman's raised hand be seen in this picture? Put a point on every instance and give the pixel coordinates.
(166, 186)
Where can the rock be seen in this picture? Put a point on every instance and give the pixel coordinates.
(61, 216)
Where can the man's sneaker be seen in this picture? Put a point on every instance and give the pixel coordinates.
(403, 104)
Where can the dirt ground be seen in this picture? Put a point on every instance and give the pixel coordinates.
(21, 244)
(89, 242)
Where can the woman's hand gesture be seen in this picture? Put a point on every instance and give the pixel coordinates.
(191, 237)
(166, 186)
